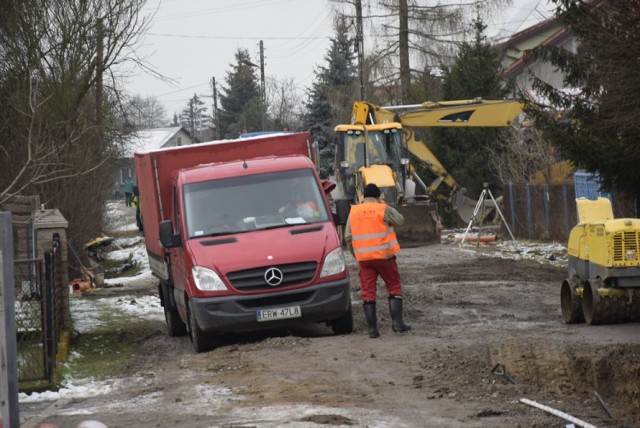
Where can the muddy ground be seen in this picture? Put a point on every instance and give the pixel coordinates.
(469, 312)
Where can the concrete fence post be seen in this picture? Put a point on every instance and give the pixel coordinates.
(9, 409)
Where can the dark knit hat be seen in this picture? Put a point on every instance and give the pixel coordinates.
(371, 191)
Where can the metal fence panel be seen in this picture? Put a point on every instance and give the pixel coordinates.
(30, 320)
(39, 314)
(548, 212)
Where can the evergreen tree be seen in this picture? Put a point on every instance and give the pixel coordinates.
(331, 95)
(601, 130)
(241, 105)
(427, 86)
(194, 115)
(464, 151)
(317, 120)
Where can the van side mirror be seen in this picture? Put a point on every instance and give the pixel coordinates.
(167, 238)
(327, 186)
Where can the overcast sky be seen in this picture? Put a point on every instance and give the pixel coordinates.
(193, 41)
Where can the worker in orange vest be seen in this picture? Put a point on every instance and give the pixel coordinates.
(370, 236)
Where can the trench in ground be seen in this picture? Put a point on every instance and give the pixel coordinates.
(565, 370)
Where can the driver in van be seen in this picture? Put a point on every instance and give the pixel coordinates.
(303, 207)
(306, 209)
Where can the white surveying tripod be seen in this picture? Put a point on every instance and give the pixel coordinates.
(480, 207)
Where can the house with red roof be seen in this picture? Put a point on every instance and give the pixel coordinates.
(519, 68)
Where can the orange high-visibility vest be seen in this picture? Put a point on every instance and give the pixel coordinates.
(371, 237)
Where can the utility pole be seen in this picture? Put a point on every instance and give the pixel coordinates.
(216, 119)
(192, 121)
(263, 91)
(403, 48)
(360, 43)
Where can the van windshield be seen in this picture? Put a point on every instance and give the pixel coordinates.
(253, 202)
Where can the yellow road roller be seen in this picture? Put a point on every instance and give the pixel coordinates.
(603, 285)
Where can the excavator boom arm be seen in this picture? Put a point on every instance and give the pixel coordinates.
(483, 114)
(475, 112)
(463, 113)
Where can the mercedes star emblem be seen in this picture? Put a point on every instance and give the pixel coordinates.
(273, 276)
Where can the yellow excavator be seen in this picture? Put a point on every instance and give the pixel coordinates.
(379, 145)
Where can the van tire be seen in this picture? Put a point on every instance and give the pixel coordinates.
(344, 324)
(175, 325)
(201, 341)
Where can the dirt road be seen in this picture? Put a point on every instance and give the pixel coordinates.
(470, 313)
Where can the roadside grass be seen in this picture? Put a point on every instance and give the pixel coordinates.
(108, 349)
(114, 340)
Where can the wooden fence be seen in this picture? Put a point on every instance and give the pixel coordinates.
(548, 212)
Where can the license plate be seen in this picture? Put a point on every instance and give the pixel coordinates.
(279, 313)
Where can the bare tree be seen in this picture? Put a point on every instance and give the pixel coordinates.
(284, 103)
(58, 59)
(524, 154)
(145, 113)
(413, 38)
(60, 119)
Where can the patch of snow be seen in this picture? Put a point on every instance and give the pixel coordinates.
(126, 247)
(543, 252)
(78, 388)
(85, 316)
(552, 253)
(87, 312)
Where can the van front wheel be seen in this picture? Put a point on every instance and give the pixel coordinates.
(202, 342)
(344, 324)
(175, 325)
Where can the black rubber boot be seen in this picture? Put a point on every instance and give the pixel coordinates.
(395, 309)
(370, 316)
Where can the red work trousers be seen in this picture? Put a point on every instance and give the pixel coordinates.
(387, 269)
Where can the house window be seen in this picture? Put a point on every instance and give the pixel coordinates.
(179, 141)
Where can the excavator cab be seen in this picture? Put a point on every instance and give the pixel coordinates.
(370, 156)
(376, 154)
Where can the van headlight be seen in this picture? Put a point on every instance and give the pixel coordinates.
(206, 279)
(334, 263)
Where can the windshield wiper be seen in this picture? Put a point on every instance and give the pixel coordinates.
(221, 233)
(275, 226)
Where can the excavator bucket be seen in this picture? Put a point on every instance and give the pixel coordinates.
(421, 225)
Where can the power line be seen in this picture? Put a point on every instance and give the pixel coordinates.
(187, 36)
(290, 54)
(220, 10)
